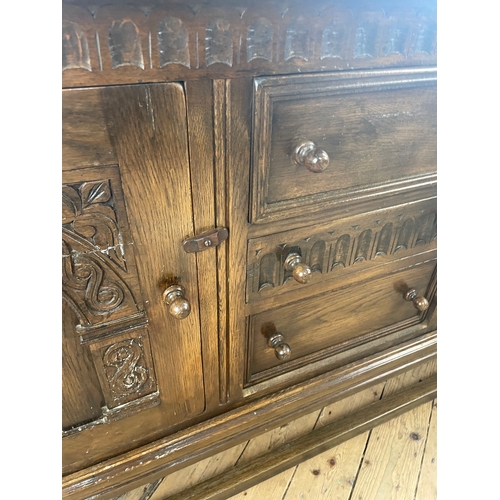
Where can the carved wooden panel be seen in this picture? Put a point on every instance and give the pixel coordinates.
(107, 44)
(348, 245)
(124, 367)
(99, 273)
(378, 129)
(100, 285)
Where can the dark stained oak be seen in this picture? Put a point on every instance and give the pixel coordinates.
(377, 129)
(334, 249)
(86, 140)
(170, 41)
(119, 273)
(306, 136)
(321, 439)
(337, 319)
(151, 462)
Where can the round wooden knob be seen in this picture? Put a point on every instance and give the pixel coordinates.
(301, 272)
(314, 159)
(420, 303)
(281, 348)
(178, 305)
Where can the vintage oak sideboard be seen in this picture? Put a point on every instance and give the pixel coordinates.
(249, 221)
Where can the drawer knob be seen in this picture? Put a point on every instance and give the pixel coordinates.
(315, 159)
(281, 348)
(420, 303)
(178, 305)
(301, 272)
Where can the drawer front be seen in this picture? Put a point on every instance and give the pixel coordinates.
(336, 321)
(334, 141)
(340, 248)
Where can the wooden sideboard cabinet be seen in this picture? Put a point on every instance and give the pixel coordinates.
(249, 221)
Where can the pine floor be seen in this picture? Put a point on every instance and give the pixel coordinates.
(394, 461)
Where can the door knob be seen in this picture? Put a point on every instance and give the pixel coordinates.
(301, 272)
(281, 348)
(314, 159)
(178, 305)
(420, 303)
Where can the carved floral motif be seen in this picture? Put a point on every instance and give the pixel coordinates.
(88, 210)
(94, 269)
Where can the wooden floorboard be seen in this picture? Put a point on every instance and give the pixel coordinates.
(393, 461)
(427, 484)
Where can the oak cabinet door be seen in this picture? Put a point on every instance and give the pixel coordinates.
(131, 370)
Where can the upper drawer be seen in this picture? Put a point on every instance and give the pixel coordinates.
(364, 134)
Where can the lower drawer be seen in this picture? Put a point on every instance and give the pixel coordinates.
(335, 321)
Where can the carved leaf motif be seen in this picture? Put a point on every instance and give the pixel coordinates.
(95, 192)
(87, 212)
(68, 210)
(71, 204)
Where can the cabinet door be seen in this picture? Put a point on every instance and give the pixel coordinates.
(131, 370)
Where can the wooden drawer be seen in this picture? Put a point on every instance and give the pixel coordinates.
(339, 248)
(332, 322)
(376, 128)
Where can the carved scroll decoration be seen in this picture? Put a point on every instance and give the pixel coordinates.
(99, 282)
(92, 285)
